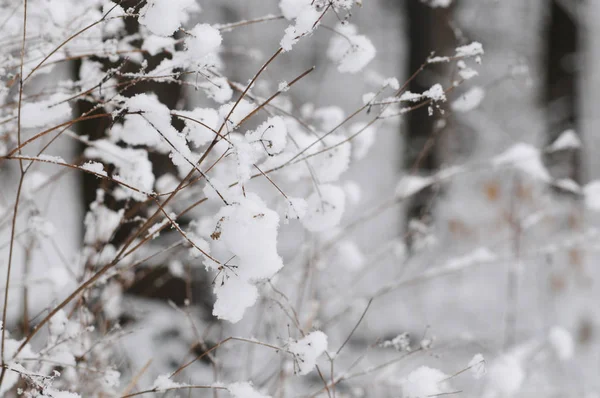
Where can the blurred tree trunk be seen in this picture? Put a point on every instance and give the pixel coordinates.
(589, 101)
(561, 91)
(428, 29)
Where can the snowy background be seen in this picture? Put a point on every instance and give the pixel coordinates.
(298, 198)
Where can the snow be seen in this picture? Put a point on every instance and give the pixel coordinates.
(248, 230)
(234, 296)
(325, 208)
(352, 52)
(350, 256)
(156, 44)
(163, 382)
(305, 17)
(307, 350)
(438, 3)
(202, 43)
(469, 100)
(270, 137)
(164, 17)
(436, 93)
(51, 159)
(132, 165)
(477, 366)
(363, 140)
(204, 132)
(592, 195)
(245, 390)
(506, 375)
(562, 342)
(470, 50)
(45, 113)
(411, 184)
(94, 167)
(100, 223)
(332, 163)
(425, 382)
(477, 256)
(218, 89)
(292, 8)
(526, 158)
(567, 140)
(392, 83)
(296, 208)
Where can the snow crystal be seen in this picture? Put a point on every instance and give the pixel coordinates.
(562, 342)
(567, 140)
(469, 100)
(44, 113)
(325, 208)
(477, 366)
(425, 382)
(244, 390)
(307, 350)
